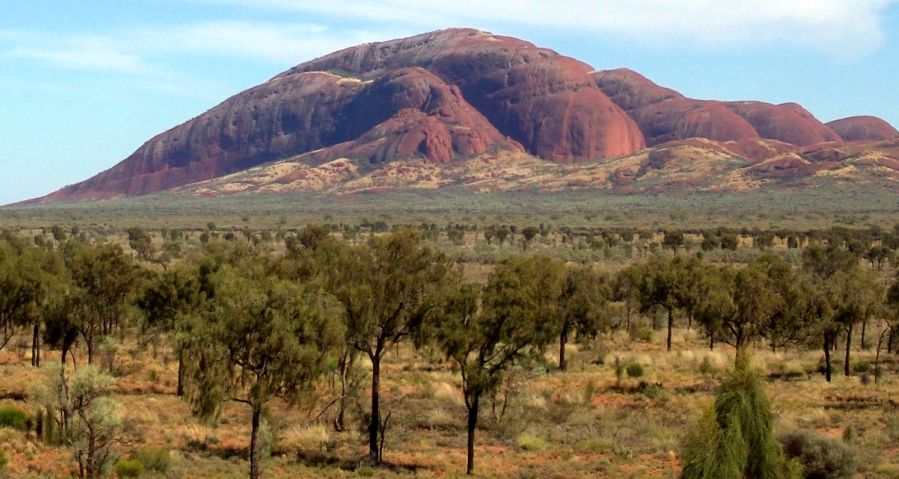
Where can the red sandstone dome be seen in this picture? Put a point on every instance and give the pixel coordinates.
(445, 96)
(863, 128)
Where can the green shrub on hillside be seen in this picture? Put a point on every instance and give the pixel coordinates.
(129, 468)
(634, 370)
(155, 459)
(821, 457)
(14, 418)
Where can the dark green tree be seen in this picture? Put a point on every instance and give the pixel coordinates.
(829, 268)
(103, 279)
(514, 320)
(584, 298)
(659, 285)
(257, 338)
(388, 288)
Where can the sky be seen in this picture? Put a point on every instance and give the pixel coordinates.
(84, 83)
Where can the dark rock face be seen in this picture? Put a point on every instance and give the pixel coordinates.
(665, 115)
(545, 101)
(685, 118)
(863, 128)
(429, 119)
(631, 90)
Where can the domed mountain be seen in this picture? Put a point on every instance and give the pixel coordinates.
(863, 128)
(445, 97)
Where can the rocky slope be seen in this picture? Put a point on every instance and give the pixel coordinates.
(696, 164)
(446, 100)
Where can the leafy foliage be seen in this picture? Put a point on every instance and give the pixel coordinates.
(734, 439)
(14, 418)
(821, 457)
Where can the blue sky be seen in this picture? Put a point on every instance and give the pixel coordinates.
(84, 83)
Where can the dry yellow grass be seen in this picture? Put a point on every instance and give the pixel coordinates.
(573, 425)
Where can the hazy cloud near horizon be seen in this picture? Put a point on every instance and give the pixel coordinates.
(838, 28)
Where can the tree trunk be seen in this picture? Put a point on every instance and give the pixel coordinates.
(91, 446)
(472, 426)
(877, 356)
(254, 443)
(36, 345)
(827, 357)
(627, 321)
(90, 349)
(345, 359)
(375, 423)
(563, 339)
(670, 324)
(179, 389)
(741, 362)
(846, 367)
(864, 328)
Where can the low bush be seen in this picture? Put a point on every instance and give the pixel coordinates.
(634, 370)
(155, 459)
(589, 392)
(861, 367)
(129, 468)
(619, 372)
(706, 368)
(14, 418)
(365, 471)
(530, 442)
(645, 334)
(821, 457)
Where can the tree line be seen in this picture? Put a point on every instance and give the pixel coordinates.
(249, 324)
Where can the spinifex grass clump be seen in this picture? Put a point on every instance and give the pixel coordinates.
(734, 440)
(820, 456)
(14, 418)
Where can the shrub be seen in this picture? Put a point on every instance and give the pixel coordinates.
(835, 365)
(530, 442)
(619, 371)
(14, 418)
(645, 334)
(861, 367)
(129, 468)
(651, 391)
(706, 368)
(634, 370)
(589, 392)
(365, 471)
(820, 457)
(154, 458)
(849, 434)
(734, 438)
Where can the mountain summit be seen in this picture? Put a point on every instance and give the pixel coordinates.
(448, 96)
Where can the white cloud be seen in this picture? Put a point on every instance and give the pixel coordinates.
(838, 27)
(843, 27)
(282, 43)
(72, 52)
(146, 50)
